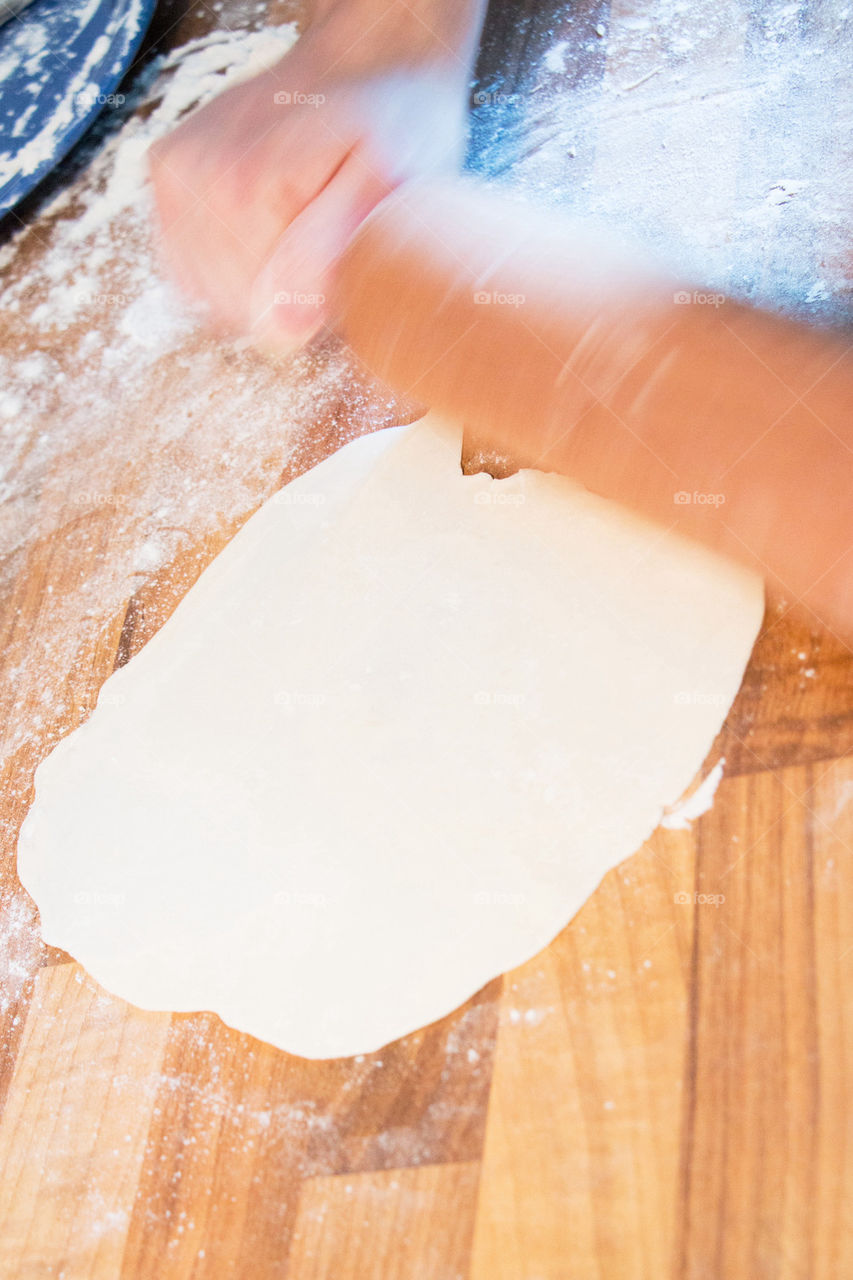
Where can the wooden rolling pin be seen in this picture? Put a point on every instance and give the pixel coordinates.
(557, 344)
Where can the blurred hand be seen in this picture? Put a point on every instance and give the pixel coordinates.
(259, 191)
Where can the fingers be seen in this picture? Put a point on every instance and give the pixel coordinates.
(227, 183)
(258, 194)
(208, 247)
(289, 295)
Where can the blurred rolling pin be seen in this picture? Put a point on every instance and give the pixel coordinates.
(556, 344)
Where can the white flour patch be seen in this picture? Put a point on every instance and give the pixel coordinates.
(158, 318)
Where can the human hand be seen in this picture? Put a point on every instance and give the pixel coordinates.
(259, 191)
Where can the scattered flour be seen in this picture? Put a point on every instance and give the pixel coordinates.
(128, 435)
(156, 319)
(555, 58)
(721, 137)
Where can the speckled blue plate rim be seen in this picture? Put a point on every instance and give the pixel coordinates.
(124, 22)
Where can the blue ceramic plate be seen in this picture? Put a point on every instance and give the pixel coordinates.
(60, 64)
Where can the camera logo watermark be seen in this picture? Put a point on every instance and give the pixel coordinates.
(83, 298)
(498, 498)
(108, 698)
(285, 299)
(300, 698)
(284, 98)
(493, 698)
(494, 298)
(699, 698)
(696, 298)
(495, 98)
(89, 498)
(98, 898)
(684, 499)
(86, 99)
(284, 498)
(498, 898)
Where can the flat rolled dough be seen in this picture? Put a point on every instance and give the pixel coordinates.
(385, 747)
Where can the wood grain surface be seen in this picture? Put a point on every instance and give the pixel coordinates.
(662, 1092)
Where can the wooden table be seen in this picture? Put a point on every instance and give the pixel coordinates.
(660, 1093)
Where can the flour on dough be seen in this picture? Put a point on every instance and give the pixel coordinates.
(385, 747)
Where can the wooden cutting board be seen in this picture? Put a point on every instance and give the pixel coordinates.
(662, 1092)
